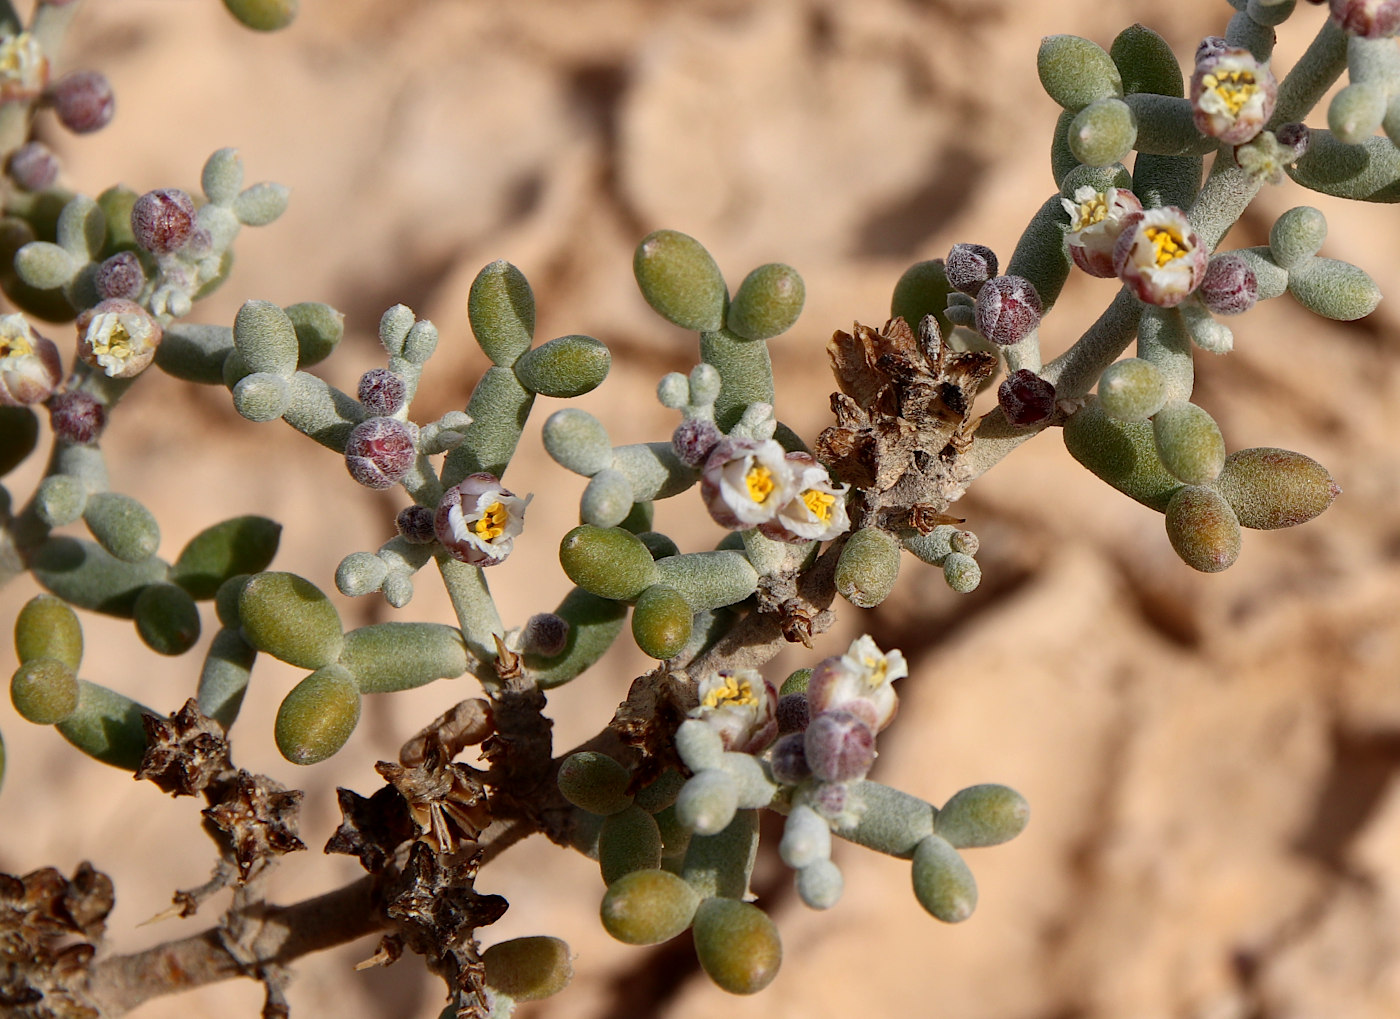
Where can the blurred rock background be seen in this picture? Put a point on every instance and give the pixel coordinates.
(1210, 760)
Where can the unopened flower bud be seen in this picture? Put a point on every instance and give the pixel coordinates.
(694, 439)
(1008, 309)
(546, 634)
(788, 761)
(1160, 256)
(381, 391)
(793, 712)
(120, 276)
(1229, 286)
(1096, 219)
(380, 451)
(1232, 93)
(478, 520)
(33, 166)
(1370, 19)
(30, 368)
(83, 101)
(1025, 397)
(163, 220)
(415, 525)
(969, 266)
(76, 417)
(840, 747)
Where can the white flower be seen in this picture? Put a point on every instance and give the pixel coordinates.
(1095, 220)
(741, 706)
(746, 482)
(860, 681)
(817, 509)
(118, 336)
(1160, 256)
(478, 520)
(1232, 94)
(29, 363)
(24, 70)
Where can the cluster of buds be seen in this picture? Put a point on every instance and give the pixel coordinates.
(787, 496)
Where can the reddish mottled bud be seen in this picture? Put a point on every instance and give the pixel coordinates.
(83, 101)
(380, 451)
(120, 276)
(76, 417)
(969, 266)
(840, 747)
(1371, 19)
(1008, 309)
(381, 391)
(415, 524)
(793, 712)
(1229, 286)
(694, 439)
(1025, 397)
(33, 166)
(789, 759)
(1294, 136)
(163, 220)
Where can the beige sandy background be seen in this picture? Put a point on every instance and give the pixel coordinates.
(1210, 760)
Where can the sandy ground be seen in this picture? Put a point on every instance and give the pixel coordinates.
(1210, 760)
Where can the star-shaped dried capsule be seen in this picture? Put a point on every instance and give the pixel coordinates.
(446, 801)
(436, 903)
(260, 818)
(185, 752)
(372, 828)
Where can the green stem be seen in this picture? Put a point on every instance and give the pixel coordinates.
(1305, 83)
(476, 612)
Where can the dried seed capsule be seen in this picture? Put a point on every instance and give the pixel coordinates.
(680, 280)
(1189, 442)
(318, 716)
(982, 815)
(1025, 398)
(628, 841)
(291, 619)
(1269, 488)
(48, 628)
(380, 451)
(661, 622)
(1008, 310)
(44, 691)
(737, 945)
(647, 907)
(767, 303)
(1203, 529)
(528, 969)
(83, 101)
(163, 220)
(942, 883)
(167, 619)
(595, 782)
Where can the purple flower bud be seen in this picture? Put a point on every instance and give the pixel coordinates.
(77, 417)
(479, 520)
(1297, 137)
(793, 712)
(33, 166)
(840, 747)
(83, 101)
(1229, 286)
(1160, 256)
(163, 220)
(381, 391)
(968, 266)
(694, 439)
(546, 634)
(789, 759)
(415, 525)
(120, 276)
(1232, 94)
(1008, 309)
(1025, 397)
(380, 451)
(1371, 19)
(118, 336)
(30, 368)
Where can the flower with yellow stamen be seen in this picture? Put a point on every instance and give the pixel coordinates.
(746, 482)
(118, 336)
(741, 706)
(1232, 94)
(24, 70)
(817, 509)
(29, 364)
(478, 520)
(860, 681)
(1160, 256)
(1095, 220)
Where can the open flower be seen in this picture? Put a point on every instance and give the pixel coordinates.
(118, 336)
(741, 706)
(1160, 256)
(817, 509)
(1096, 219)
(1232, 94)
(746, 482)
(24, 70)
(478, 520)
(860, 681)
(29, 363)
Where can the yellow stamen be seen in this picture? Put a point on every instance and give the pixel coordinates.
(736, 692)
(1166, 244)
(117, 343)
(15, 346)
(1092, 211)
(875, 669)
(759, 481)
(1235, 88)
(819, 503)
(492, 523)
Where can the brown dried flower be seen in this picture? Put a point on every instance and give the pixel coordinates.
(259, 816)
(185, 752)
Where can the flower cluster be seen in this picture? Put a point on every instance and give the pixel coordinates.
(478, 520)
(788, 496)
(1155, 251)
